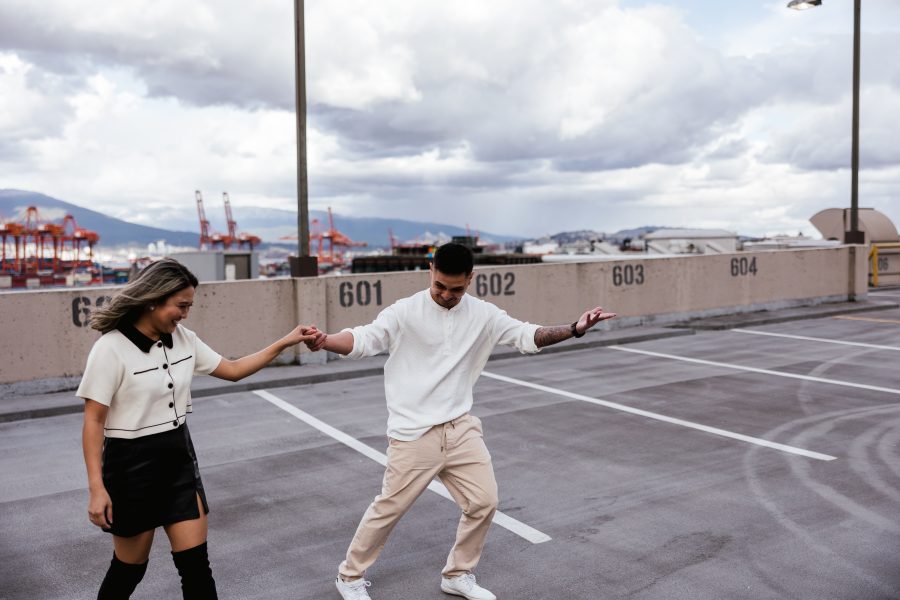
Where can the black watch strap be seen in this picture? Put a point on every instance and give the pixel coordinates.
(574, 328)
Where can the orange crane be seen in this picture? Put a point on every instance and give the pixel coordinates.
(392, 239)
(205, 239)
(208, 239)
(38, 233)
(242, 238)
(232, 224)
(78, 236)
(330, 255)
(43, 236)
(16, 231)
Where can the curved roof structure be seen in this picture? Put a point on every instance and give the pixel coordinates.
(833, 222)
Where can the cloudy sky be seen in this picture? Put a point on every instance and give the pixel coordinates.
(514, 116)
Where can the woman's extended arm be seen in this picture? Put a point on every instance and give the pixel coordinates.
(235, 370)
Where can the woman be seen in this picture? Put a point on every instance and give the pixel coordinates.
(141, 466)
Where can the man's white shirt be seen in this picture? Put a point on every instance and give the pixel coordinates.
(436, 356)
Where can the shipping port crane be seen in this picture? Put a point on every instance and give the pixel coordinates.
(330, 254)
(243, 238)
(34, 238)
(16, 231)
(78, 236)
(232, 224)
(205, 239)
(392, 239)
(210, 240)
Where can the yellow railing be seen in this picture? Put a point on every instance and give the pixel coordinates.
(873, 257)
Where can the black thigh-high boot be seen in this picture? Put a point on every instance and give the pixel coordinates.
(197, 582)
(120, 580)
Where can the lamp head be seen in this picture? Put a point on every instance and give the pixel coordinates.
(804, 4)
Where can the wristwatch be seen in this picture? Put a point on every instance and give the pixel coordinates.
(574, 328)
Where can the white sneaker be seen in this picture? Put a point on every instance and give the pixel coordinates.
(465, 586)
(353, 590)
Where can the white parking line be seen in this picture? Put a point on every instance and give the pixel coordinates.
(517, 527)
(664, 418)
(869, 319)
(815, 339)
(699, 361)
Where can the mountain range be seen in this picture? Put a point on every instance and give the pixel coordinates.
(113, 232)
(183, 230)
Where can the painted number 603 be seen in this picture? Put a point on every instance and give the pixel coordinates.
(628, 275)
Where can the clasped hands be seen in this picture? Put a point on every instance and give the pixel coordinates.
(318, 340)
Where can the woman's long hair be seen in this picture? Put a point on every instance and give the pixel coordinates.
(153, 285)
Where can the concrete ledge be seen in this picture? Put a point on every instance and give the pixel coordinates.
(37, 403)
(645, 291)
(53, 396)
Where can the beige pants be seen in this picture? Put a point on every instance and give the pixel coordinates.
(456, 453)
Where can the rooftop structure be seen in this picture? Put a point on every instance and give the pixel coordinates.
(691, 241)
(875, 225)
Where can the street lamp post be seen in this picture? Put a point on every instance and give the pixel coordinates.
(854, 235)
(303, 265)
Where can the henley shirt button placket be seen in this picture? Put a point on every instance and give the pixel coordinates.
(159, 344)
(448, 327)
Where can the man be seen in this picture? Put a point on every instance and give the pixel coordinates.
(439, 341)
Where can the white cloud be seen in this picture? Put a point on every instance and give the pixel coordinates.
(517, 116)
(30, 106)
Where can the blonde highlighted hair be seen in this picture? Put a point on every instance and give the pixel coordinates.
(153, 285)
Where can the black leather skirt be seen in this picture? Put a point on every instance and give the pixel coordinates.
(152, 480)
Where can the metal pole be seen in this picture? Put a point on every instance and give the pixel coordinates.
(304, 265)
(855, 236)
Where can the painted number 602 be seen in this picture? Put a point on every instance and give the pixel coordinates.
(495, 284)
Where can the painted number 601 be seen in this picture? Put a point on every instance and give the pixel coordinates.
(359, 294)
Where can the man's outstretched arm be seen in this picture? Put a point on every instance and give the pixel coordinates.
(547, 336)
(340, 343)
(366, 340)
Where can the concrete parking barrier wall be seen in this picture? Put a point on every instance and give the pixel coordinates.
(240, 317)
(46, 333)
(357, 299)
(642, 289)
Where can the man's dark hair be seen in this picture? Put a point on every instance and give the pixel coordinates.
(453, 259)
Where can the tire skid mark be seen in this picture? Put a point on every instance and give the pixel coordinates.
(753, 458)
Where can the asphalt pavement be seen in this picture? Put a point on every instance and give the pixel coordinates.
(753, 456)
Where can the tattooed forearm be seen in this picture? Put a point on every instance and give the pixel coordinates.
(547, 336)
